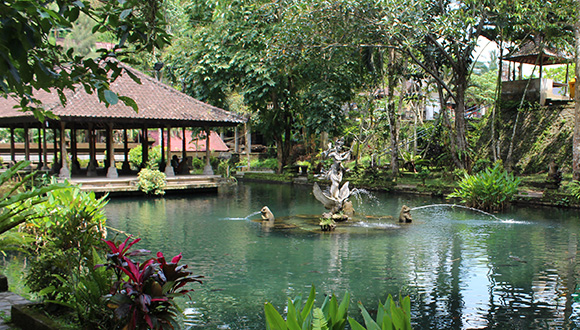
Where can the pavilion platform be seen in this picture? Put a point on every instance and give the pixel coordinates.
(127, 185)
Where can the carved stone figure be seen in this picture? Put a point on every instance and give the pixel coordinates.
(554, 176)
(405, 214)
(335, 197)
(267, 214)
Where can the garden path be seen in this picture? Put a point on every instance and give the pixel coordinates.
(7, 299)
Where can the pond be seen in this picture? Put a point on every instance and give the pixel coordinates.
(462, 269)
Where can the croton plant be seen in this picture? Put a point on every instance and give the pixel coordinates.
(142, 296)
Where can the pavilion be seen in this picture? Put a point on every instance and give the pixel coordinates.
(159, 106)
(541, 90)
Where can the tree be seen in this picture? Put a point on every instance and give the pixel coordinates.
(442, 34)
(263, 51)
(32, 60)
(576, 138)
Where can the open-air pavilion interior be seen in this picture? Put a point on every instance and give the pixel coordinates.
(84, 120)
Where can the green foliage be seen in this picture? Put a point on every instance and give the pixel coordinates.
(331, 315)
(69, 224)
(424, 174)
(136, 156)
(389, 316)
(142, 295)
(574, 188)
(151, 181)
(285, 177)
(16, 200)
(370, 177)
(327, 224)
(14, 240)
(197, 164)
(410, 161)
(269, 163)
(489, 190)
(481, 164)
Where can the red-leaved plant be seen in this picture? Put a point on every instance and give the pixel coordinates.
(142, 296)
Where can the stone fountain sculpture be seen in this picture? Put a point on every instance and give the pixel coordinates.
(335, 198)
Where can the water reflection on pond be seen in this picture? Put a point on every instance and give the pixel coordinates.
(462, 269)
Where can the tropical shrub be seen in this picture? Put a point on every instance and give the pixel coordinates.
(197, 163)
(151, 181)
(268, 163)
(142, 295)
(69, 224)
(18, 195)
(488, 190)
(330, 315)
(136, 156)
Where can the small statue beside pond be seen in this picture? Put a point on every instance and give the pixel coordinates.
(554, 176)
(405, 214)
(267, 214)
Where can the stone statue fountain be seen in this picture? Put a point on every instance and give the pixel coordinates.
(335, 198)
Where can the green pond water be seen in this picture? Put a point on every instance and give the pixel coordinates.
(462, 269)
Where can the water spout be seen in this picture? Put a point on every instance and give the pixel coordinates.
(244, 218)
(459, 206)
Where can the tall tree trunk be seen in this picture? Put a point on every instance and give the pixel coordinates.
(460, 123)
(496, 106)
(576, 139)
(393, 128)
(445, 116)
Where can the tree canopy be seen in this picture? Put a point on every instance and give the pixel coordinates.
(31, 58)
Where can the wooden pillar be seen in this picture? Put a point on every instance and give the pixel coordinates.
(107, 161)
(12, 148)
(26, 144)
(39, 148)
(74, 164)
(64, 169)
(112, 170)
(126, 166)
(183, 145)
(55, 162)
(248, 142)
(162, 164)
(207, 170)
(169, 171)
(92, 167)
(236, 142)
(44, 149)
(144, 147)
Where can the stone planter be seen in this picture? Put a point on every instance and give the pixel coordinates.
(27, 316)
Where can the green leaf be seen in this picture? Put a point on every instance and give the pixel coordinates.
(274, 320)
(309, 303)
(111, 97)
(319, 322)
(355, 325)
(129, 102)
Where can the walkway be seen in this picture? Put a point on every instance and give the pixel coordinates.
(128, 184)
(7, 299)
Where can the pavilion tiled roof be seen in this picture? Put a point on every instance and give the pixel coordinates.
(159, 105)
(530, 51)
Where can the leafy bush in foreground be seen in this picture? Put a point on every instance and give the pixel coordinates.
(488, 190)
(142, 295)
(333, 316)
